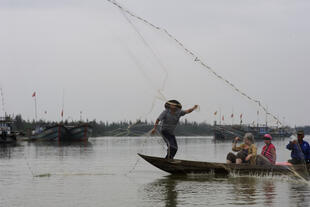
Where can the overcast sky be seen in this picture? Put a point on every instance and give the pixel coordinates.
(88, 50)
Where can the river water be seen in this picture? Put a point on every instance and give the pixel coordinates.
(107, 172)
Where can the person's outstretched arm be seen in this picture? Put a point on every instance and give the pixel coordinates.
(191, 109)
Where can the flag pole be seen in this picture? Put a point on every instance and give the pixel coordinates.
(34, 95)
(2, 100)
(63, 105)
(36, 108)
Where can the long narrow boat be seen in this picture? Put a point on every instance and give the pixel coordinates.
(175, 166)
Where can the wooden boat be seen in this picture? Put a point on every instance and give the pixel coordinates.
(51, 133)
(175, 166)
(79, 133)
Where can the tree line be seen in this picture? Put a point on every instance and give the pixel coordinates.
(125, 128)
(121, 128)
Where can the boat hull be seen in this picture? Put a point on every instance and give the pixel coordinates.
(196, 167)
(8, 140)
(79, 133)
(54, 133)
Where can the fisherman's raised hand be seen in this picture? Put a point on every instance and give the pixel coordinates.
(153, 131)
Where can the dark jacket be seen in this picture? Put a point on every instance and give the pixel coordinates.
(296, 153)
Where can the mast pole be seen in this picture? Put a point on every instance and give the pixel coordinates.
(2, 100)
(220, 116)
(63, 105)
(36, 108)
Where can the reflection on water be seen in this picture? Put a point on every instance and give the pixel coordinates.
(243, 190)
(59, 149)
(300, 195)
(200, 190)
(269, 192)
(183, 190)
(162, 190)
(95, 173)
(6, 150)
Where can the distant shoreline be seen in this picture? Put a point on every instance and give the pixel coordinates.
(128, 128)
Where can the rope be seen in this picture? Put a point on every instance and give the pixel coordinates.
(28, 165)
(160, 95)
(195, 58)
(150, 48)
(148, 134)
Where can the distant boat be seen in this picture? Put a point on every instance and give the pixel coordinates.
(181, 167)
(62, 133)
(229, 132)
(79, 133)
(6, 133)
(55, 132)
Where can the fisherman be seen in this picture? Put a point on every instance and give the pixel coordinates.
(268, 155)
(246, 151)
(300, 149)
(168, 120)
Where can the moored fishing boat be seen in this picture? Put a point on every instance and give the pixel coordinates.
(174, 166)
(6, 133)
(229, 132)
(79, 133)
(50, 133)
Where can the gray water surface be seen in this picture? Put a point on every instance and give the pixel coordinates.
(107, 172)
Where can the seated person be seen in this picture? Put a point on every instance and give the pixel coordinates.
(268, 155)
(300, 149)
(246, 151)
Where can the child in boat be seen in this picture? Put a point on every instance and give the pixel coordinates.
(246, 151)
(169, 119)
(300, 149)
(268, 155)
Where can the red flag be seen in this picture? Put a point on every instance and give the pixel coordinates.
(232, 115)
(223, 118)
(62, 113)
(34, 94)
(215, 113)
(240, 116)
